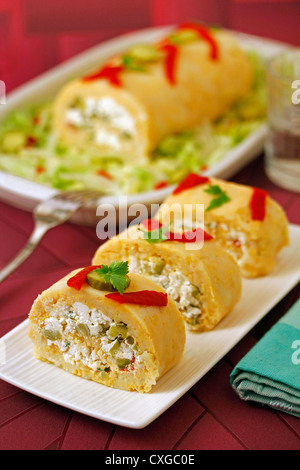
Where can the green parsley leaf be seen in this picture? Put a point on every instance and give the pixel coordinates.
(116, 274)
(157, 235)
(220, 197)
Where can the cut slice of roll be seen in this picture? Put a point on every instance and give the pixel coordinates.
(203, 280)
(131, 104)
(122, 345)
(246, 221)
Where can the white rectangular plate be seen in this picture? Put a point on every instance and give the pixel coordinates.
(202, 352)
(26, 194)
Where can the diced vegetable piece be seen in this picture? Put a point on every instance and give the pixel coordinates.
(83, 329)
(159, 266)
(114, 347)
(123, 362)
(144, 53)
(130, 340)
(51, 334)
(184, 36)
(195, 292)
(117, 330)
(13, 141)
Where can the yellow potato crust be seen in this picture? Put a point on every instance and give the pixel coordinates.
(207, 266)
(159, 332)
(265, 238)
(204, 90)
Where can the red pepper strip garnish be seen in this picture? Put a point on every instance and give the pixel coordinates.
(191, 181)
(151, 224)
(258, 204)
(203, 33)
(104, 174)
(171, 53)
(108, 72)
(79, 278)
(193, 236)
(150, 298)
(161, 184)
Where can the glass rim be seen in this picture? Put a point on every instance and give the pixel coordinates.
(285, 54)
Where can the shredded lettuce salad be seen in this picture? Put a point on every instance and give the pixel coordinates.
(28, 149)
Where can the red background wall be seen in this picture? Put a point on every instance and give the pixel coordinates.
(38, 34)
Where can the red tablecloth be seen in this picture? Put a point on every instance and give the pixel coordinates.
(209, 416)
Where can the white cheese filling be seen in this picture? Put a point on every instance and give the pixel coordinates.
(235, 240)
(116, 122)
(103, 137)
(74, 117)
(65, 321)
(176, 285)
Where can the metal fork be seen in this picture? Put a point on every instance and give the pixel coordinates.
(48, 214)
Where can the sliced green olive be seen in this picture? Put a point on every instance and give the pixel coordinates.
(144, 53)
(117, 330)
(96, 281)
(123, 362)
(83, 330)
(52, 335)
(184, 37)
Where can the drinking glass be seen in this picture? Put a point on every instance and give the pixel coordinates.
(282, 147)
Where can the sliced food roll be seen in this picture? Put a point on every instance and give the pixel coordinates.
(138, 97)
(199, 275)
(118, 329)
(245, 220)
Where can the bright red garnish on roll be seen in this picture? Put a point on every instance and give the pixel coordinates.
(203, 33)
(170, 59)
(151, 224)
(143, 297)
(109, 72)
(191, 181)
(258, 204)
(79, 279)
(191, 236)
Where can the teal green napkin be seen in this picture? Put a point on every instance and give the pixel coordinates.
(269, 374)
